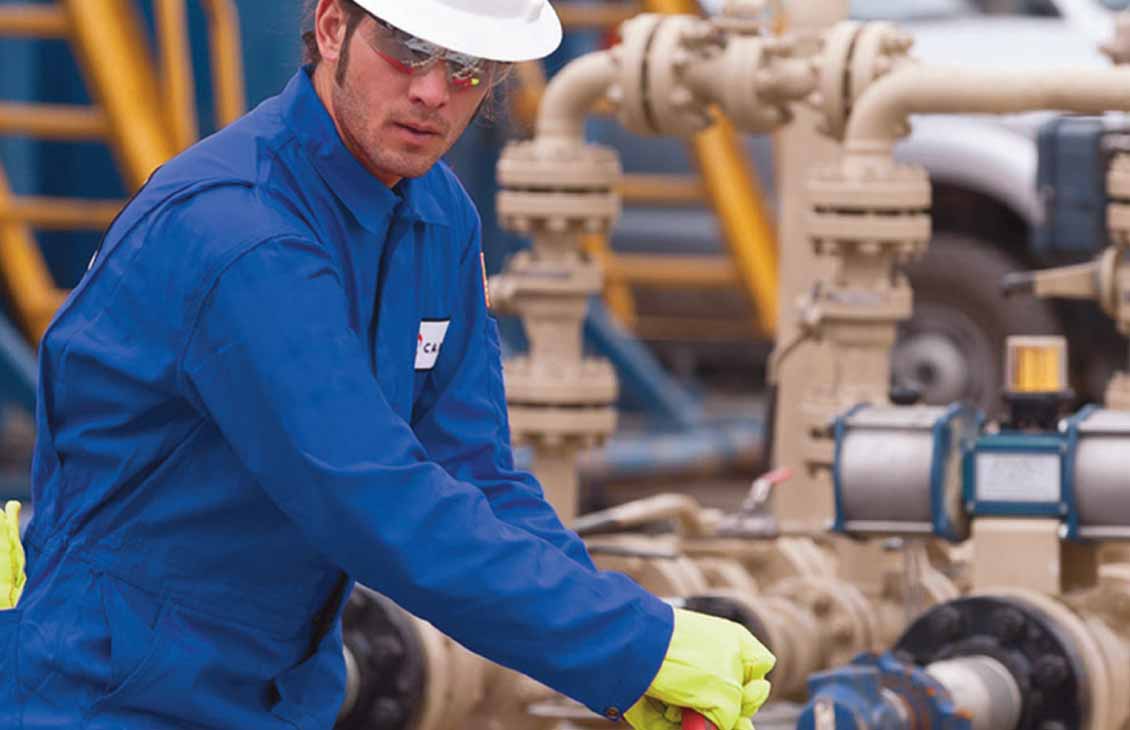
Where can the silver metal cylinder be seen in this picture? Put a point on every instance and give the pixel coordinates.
(897, 470)
(1102, 475)
(982, 687)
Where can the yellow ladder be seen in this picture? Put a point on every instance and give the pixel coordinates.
(144, 110)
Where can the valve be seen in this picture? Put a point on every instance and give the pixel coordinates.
(880, 693)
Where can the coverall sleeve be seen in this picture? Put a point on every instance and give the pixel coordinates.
(271, 359)
(462, 418)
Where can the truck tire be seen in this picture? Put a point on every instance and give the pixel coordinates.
(953, 348)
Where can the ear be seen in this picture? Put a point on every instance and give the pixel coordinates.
(329, 29)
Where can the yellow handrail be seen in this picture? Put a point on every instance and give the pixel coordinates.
(32, 21)
(176, 71)
(227, 60)
(60, 214)
(617, 293)
(53, 121)
(110, 43)
(24, 272)
(737, 201)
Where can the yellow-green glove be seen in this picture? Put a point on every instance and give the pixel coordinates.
(713, 666)
(12, 576)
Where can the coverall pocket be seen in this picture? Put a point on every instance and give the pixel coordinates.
(9, 642)
(310, 693)
(134, 649)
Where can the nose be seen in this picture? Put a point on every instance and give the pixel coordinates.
(431, 88)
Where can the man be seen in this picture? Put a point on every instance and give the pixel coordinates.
(236, 420)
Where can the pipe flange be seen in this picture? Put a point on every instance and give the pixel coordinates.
(833, 100)
(788, 630)
(561, 167)
(793, 636)
(882, 214)
(679, 44)
(847, 620)
(390, 662)
(548, 382)
(854, 56)
(753, 80)
(532, 273)
(1118, 177)
(557, 213)
(558, 188)
(1037, 650)
(670, 575)
(1118, 224)
(896, 189)
(553, 427)
(629, 95)
(878, 48)
(1118, 211)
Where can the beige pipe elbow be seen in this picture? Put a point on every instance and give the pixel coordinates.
(572, 94)
(881, 114)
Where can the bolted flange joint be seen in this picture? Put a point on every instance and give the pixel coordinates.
(854, 56)
(1118, 210)
(884, 213)
(674, 70)
(558, 189)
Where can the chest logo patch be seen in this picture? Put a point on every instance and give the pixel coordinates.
(430, 340)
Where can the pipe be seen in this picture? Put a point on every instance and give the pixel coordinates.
(556, 467)
(681, 508)
(983, 689)
(572, 93)
(882, 112)
(705, 450)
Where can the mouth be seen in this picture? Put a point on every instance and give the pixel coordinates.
(420, 132)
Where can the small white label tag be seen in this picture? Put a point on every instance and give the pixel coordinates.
(429, 342)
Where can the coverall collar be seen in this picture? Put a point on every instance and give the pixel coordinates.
(367, 198)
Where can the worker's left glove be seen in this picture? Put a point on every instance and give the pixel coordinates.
(12, 576)
(713, 666)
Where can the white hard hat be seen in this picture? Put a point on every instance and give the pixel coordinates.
(499, 30)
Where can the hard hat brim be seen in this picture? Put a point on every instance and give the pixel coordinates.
(497, 39)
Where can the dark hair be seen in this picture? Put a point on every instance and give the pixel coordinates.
(311, 54)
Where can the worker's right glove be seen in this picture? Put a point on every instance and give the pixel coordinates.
(12, 576)
(713, 666)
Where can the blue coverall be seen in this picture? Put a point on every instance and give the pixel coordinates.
(280, 376)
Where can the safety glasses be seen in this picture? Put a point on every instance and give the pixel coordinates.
(411, 55)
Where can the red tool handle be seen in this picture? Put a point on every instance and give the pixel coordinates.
(695, 721)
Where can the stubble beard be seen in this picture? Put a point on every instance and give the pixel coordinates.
(367, 141)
